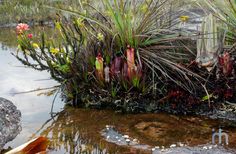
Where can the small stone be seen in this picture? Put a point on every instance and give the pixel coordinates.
(127, 141)
(172, 145)
(126, 136)
(135, 140)
(181, 144)
(107, 127)
(153, 149)
(205, 148)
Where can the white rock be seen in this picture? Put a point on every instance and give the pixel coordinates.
(127, 140)
(172, 145)
(181, 144)
(205, 148)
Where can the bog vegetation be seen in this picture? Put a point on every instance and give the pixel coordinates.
(114, 53)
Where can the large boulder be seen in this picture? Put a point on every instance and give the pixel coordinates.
(9, 122)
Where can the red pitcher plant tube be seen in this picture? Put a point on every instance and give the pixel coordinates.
(130, 61)
(125, 70)
(226, 64)
(99, 67)
(116, 65)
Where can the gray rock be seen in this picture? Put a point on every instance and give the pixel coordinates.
(9, 122)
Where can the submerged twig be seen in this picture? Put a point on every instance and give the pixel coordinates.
(35, 90)
(53, 102)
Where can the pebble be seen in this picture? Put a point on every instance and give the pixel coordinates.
(181, 144)
(205, 148)
(127, 140)
(173, 146)
(135, 140)
(107, 127)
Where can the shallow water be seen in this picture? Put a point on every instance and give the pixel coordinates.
(15, 78)
(78, 130)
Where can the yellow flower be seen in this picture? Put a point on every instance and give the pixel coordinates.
(144, 8)
(80, 22)
(54, 50)
(35, 45)
(58, 26)
(100, 37)
(184, 18)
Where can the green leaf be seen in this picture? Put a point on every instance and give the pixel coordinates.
(207, 97)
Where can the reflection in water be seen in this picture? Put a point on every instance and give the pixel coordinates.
(77, 130)
(4, 47)
(64, 135)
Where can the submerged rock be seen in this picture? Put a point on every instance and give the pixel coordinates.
(113, 136)
(9, 122)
